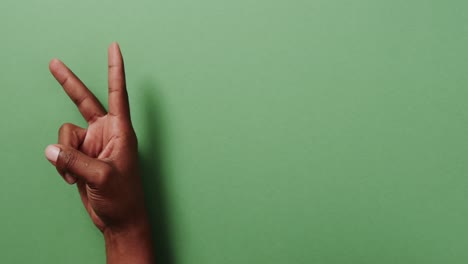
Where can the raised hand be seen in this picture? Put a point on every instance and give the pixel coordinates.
(103, 160)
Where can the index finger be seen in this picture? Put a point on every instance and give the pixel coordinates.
(87, 103)
(118, 98)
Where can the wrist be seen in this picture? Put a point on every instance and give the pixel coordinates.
(132, 244)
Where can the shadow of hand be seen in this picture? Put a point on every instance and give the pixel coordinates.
(152, 173)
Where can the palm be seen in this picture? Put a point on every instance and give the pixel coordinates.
(98, 137)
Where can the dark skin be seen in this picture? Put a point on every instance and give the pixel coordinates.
(102, 160)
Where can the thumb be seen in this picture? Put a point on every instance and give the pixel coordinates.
(69, 160)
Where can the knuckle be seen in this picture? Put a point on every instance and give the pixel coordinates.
(104, 174)
(69, 159)
(112, 89)
(64, 81)
(65, 128)
(80, 100)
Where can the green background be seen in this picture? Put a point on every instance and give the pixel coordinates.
(300, 131)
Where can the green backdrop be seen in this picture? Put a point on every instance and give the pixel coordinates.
(300, 131)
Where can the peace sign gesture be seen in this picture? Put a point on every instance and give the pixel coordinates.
(103, 160)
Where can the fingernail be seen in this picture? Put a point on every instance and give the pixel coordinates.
(52, 153)
(70, 178)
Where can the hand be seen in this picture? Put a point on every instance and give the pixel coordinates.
(103, 161)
